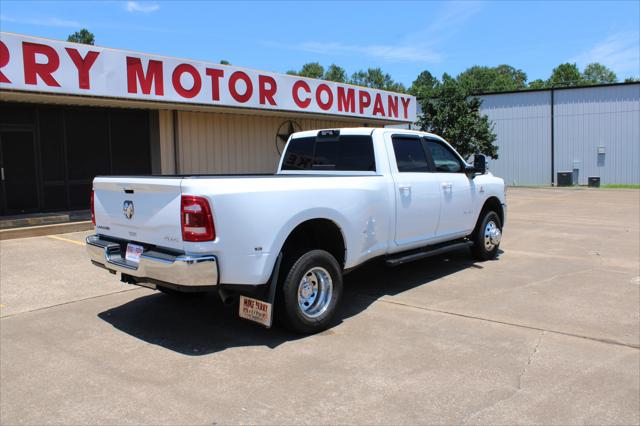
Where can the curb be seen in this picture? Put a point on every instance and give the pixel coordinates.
(33, 221)
(41, 230)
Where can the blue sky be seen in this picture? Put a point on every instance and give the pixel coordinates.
(403, 38)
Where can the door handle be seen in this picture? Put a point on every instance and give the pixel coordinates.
(404, 188)
(447, 186)
(2, 172)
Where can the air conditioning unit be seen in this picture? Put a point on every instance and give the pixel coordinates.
(565, 179)
(594, 181)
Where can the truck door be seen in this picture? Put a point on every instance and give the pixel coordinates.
(417, 192)
(456, 211)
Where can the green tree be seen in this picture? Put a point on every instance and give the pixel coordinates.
(450, 113)
(565, 75)
(376, 79)
(537, 84)
(632, 80)
(597, 73)
(373, 77)
(424, 85)
(83, 36)
(335, 73)
(312, 70)
(224, 62)
(503, 78)
(517, 76)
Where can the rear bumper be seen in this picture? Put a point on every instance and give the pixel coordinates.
(155, 267)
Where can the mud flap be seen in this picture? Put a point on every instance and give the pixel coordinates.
(260, 310)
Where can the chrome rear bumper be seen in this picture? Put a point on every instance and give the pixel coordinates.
(155, 266)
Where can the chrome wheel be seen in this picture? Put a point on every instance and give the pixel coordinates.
(314, 292)
(492, 235)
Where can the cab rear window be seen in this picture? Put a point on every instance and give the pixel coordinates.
(345, 153)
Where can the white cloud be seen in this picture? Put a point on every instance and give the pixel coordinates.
(620, 52)
(42, 22)
(390, 53)
(387, 52)
(451, 18)
(144, 7)
(417, 46)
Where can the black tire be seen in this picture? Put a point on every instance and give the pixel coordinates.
(480, 250)
(314, 265)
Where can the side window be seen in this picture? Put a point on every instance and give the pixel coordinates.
(444, 159)
(410, 155)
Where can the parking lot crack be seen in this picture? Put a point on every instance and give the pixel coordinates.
(519, 387)
(69, 302)
(530, 360)
(603, 340)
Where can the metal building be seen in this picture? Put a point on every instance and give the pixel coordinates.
(589, 131)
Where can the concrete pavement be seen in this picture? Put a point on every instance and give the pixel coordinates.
(548, 334)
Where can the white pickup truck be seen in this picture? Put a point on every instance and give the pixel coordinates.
(340, 197)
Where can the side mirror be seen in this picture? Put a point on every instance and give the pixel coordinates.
(480, 163)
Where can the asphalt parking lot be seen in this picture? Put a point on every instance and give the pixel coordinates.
(547, 334)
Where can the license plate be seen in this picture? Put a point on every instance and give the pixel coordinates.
(255, 310)
(133, 253)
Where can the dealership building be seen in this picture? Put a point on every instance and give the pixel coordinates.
(69, 112)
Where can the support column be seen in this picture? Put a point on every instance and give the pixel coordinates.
(168, 142)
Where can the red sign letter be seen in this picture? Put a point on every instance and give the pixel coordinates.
(266, 95)
(135, 74)
(365, 100)
(83, 65)
(405, 106)
(324, 88)
(215, 75)
(392, 106)
(294, 91)
(346, 102)
(378, 109)
(177, 84)
(4, 60)
(33, 69)
(239, 75)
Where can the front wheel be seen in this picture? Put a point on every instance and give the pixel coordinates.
(486, 237)
(311, 292)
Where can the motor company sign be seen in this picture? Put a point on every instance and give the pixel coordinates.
(35, 64)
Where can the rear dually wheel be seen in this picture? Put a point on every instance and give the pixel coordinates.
(310, 292)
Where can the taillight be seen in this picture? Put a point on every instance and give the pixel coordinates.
(93, 212)
(197, 220)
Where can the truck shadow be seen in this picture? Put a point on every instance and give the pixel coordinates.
(203, 325)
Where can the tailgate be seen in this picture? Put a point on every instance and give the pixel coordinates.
(145, 209)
